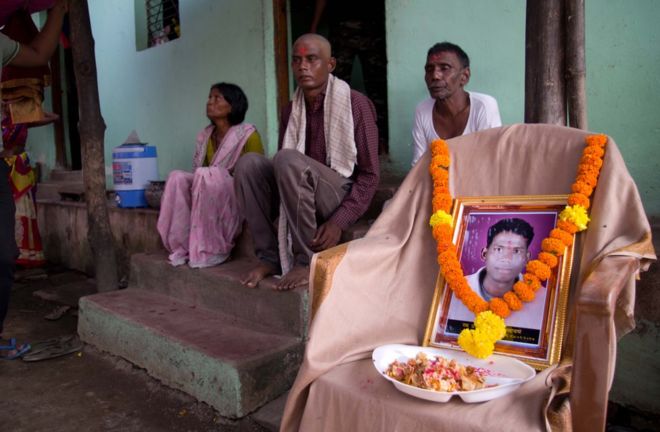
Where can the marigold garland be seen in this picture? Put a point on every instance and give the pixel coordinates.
(489, 322)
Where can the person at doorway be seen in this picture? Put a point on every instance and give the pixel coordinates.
(450, 110)
(199, 219)
(323, 177)
(23, 181)
(35, 53)
(356, 30)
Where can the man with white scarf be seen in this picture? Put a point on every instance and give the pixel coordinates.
(323, 177)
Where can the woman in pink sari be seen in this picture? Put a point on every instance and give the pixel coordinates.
(199, 218)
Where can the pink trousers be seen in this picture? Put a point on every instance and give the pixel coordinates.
(199, 218)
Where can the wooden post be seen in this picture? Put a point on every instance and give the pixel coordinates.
(92, 129)
(56, 97)
(575, 65)
(545, 98)
(281, 54)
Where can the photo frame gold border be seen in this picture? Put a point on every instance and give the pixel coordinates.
(557, 322)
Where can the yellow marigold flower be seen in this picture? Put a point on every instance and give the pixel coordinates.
(476, 343)
(441, 217)
(491, 324)
(576, 214)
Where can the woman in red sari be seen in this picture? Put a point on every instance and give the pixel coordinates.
(22, 179)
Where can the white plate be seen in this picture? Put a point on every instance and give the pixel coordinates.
(508, 373)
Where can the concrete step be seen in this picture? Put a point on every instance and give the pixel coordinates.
(219, 289)
(62, 175)
(269, 416)
(232, 365)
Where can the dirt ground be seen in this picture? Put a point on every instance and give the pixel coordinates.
(88, 390)
(94, 391)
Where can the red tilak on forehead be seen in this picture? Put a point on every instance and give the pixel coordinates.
(435, 57)
(302, 50)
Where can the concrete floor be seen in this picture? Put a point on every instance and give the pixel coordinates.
(93, 391)
(89, 390)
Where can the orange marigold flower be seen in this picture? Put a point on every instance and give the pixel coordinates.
(441, 185)
(538, 268)
(562, 235)
(567, 226)
(523, 291)
(442, 233)
(582, 187)
(441, 202)
(594, 161)
(441, 161)
(512, 301)
(553, 246)
(578, 199)
(439, 147)
(587, 169)
(597, 140)
(594, 151)
(480, 306)
(532, 281)
(439, 174)
(548, 259)
(499, 307)
(589, 179)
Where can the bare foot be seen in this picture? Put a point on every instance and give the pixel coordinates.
(298, 276)
(257, 274)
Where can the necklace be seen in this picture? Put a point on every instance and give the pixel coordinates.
(489, 322)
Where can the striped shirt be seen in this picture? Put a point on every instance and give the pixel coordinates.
(367, 170)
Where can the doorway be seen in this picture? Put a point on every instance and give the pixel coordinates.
(356, 31)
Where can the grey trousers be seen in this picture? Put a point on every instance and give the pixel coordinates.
(309, 191)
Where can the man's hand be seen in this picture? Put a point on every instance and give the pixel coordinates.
(327, 236)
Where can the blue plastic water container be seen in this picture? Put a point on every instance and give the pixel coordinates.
(133, 167)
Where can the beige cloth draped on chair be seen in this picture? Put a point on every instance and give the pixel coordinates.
(377, 290)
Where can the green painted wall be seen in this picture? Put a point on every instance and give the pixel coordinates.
(623, 66)
(161, 92)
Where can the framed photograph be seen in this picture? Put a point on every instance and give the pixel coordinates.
(495, 238)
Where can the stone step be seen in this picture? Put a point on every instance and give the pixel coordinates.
(62, 175)
(269, 416)
(219, 289)
(234, 366)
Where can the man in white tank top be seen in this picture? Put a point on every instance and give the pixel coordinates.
(450, 111)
